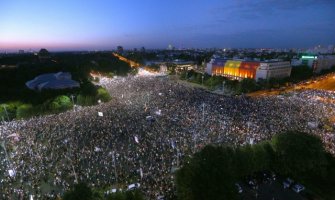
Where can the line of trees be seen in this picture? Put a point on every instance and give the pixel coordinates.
(216, 82)
(88, 95)
(213, 172)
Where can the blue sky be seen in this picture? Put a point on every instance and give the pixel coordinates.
(105, 24)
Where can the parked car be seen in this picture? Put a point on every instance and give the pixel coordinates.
(298, 188)
(287, 183)
(133, 186)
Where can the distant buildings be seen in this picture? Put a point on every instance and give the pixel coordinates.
(316, 62)
(320, 49)
(239, 69)
(60, 80)
(182, 65)
(119, 49)
(170, 47)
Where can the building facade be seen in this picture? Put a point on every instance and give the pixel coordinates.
(268, 70)
(239, 69)
(317, 63)
(324, 62)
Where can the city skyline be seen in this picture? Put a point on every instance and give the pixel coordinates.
(62, 25)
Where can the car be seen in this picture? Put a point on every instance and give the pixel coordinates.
(113, 190)
(239, 188)
(287, 183)
(298, 188)
(133, 186)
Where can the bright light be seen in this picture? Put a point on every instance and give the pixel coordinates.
(309, 57)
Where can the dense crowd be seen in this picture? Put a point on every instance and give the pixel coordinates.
(144, 133)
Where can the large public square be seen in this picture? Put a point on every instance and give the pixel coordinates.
(146, 132)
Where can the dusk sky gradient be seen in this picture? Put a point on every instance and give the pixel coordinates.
(105, 24)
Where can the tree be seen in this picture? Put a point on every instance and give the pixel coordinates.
(213, 172)
(209, 175)
(299, 154)
(129, 195)
(103, 95)
(24, 110)
(80, 192)
(248, 85)
(301, 72)
(60, 103)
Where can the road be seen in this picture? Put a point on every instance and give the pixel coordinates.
(326, 82)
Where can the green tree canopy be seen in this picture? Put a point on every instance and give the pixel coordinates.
(209, 175)
(80, 192)
(299, 154)
(60, 103)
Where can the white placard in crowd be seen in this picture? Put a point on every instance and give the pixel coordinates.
(11, 173)
(158, 112)
(136, 139)
(97, 149)
(100, 114)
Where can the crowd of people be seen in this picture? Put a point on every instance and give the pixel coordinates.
(144, 134)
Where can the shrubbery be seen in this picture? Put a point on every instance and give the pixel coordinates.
(87, 97)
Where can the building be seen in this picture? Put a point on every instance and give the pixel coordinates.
(324, 62)
(240, 69)
(317, 63)
(184, 65)
(60, 80)
(217, 66)
(119, 49)
(273, 69)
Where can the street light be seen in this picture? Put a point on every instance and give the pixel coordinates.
(114, 163)
(72, 96)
